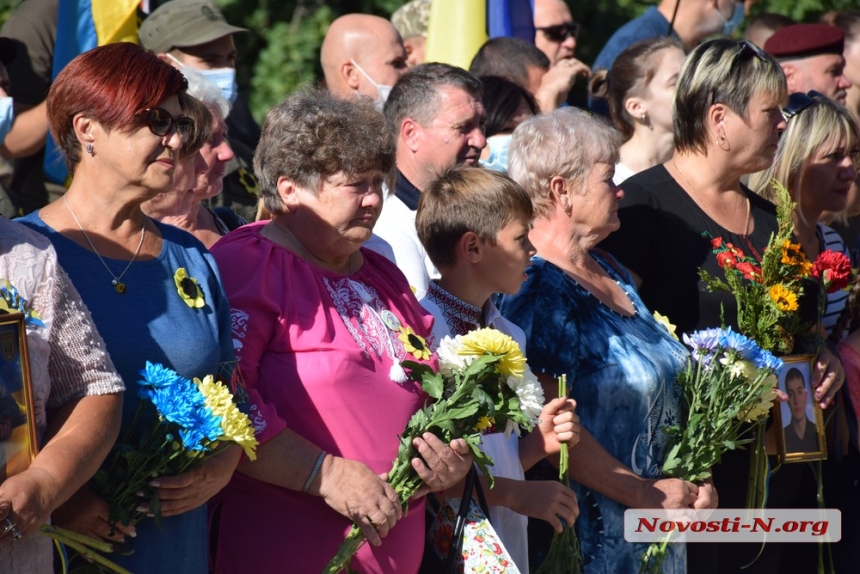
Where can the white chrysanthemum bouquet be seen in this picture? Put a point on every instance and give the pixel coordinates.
(483, 383)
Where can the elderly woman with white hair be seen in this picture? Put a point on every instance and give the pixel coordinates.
(583, 317)
(200, 176)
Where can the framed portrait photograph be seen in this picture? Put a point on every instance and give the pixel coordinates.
(18, 441)
(800, 419)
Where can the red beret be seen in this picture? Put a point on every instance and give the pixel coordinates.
(804, 40)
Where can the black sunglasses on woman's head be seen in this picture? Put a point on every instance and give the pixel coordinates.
(798, 101)
(747, 50)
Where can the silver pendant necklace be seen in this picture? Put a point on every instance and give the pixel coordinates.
(118, 285)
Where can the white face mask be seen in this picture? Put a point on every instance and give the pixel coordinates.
(498, 158)
(223, 78)
(7, 116)
(381, 89)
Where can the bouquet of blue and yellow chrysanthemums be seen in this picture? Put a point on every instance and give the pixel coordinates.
(483, 382)
(178, 424)
(184, 422)
(728, 383)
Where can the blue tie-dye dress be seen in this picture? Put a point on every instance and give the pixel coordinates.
(621, 372)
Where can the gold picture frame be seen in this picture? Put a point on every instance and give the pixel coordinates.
(18, 437)
(799, 421)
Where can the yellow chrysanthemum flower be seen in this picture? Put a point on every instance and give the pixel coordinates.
(784, 299)
(490, 341)
(235, 424)
(188, 289)
(664, 320)
(414, 344)
(484, 423)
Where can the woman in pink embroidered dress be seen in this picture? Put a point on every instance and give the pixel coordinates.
(320, 327)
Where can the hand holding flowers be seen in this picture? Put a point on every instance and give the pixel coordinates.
(482, 384)
(728, 383)
(558, 425)
(169, 450)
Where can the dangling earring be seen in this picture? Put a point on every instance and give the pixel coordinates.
(90, 150)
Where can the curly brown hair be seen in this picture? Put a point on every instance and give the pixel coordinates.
(312, 135)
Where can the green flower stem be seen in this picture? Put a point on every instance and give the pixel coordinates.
(83, 545)
(63, 535)
(563, 556)
(405, 484)
(758, 470)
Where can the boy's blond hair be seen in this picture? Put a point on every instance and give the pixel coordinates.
(467, 199)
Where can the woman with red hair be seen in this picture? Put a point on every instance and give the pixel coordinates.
(122, 120)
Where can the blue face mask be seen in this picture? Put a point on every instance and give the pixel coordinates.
(735, 20)
(225, 79)
(7, 116)
(498, 159)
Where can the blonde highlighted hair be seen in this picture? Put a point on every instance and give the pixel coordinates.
(721, 71)
(822, 123)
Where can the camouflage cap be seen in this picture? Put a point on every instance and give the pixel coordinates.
(412, 18)
(184, 23)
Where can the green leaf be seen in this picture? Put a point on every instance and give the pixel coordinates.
(433, 384)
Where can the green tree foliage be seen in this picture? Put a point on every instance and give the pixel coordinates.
(282, 51)
(7, 7)
(803, 10)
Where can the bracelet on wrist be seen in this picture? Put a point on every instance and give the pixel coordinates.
(315, 471)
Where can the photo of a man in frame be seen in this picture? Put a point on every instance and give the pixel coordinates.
(801, 434)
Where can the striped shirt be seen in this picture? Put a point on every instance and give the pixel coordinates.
(829, 239)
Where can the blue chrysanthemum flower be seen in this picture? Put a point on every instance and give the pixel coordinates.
(178, 400)
(705, 342)
(156, 375)
(745, 347)
(766, 360)
(177, 404)
(206, 427)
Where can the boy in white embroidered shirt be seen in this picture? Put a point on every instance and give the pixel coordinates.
(474, 224)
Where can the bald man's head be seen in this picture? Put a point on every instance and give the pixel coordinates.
(359, 51)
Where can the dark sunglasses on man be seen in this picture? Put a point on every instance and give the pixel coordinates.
(561, 32)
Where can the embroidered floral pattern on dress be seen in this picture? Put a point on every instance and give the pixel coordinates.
(238, 328)
(460, 316)
(360, 309)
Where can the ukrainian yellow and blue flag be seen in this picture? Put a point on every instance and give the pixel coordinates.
(82, 25)
(457, 28)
